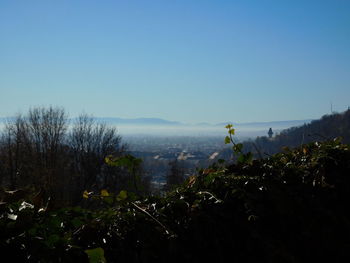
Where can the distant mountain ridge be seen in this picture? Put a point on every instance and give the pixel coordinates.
(159, 121)
(137, 121)
(290, 123)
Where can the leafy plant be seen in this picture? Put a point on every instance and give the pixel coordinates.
(242, 158)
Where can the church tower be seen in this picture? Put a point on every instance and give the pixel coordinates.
(270, 133)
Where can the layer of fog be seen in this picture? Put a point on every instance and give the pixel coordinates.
(243, 131)
(195, 131)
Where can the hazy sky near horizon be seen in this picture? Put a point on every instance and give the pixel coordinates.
(189, 61)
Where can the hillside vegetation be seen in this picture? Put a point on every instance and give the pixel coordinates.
(290, 207)
(326, 128)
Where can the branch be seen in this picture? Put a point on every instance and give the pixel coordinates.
(148, 214)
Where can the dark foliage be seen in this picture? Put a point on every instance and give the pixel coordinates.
(175, 175)
(291, 207)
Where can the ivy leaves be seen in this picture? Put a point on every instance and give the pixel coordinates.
(231, 131)
(128, 161)
(242, 158)
(96, 255)
(227, 205)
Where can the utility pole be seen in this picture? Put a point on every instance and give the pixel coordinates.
(331, 108)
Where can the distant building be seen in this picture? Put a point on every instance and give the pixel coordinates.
(270, 133)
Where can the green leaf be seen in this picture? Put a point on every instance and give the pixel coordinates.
(228, 126)
(227, 140)
(132, 196)
(210, 178)
(110, 160)
(249, 157)
(52, 240)
(245, 158)
(108, 200)
(231, 131)
(122, 195)
(128, 161)
(96, 255)
(240, 158)
(104, 193)
(238, 147)
(76, 222)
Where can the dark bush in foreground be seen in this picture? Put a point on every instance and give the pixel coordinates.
(292, 207)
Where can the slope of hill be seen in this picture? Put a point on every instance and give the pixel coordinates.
(326, 128)
(275, 124)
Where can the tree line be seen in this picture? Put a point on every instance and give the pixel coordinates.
(46, 152)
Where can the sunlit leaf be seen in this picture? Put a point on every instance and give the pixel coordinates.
(104, 193)
(86, 194)
(208, 171)
(227, 140)
(25, 205)
(191, 180)
(96, 255)
(231, 131)
(122, 195)
(12, 216)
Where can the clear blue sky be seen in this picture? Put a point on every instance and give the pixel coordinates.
(189, 61)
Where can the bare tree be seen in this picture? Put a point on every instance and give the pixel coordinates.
(32, 150)
(41, 151)
(14, 151)
(47, 128)
(91, 142)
